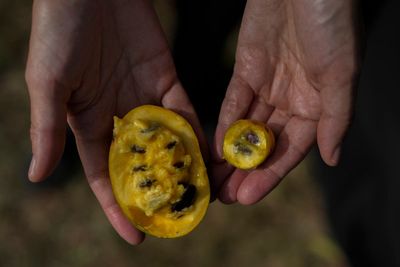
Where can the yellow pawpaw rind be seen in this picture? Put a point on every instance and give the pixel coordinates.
(157, 172)
(247, 144)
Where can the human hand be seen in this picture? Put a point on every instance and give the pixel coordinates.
(90, 60)
(295, 70)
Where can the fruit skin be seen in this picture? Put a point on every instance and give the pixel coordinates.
(163, 222)
(247, 144)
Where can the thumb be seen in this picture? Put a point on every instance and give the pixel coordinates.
(337, 110)
(48, 124)
(238, 99)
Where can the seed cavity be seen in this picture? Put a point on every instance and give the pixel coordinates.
(138, 149)
(253, 138)
(171, 145)
(140, 168)
(153, 126)
(179, 164)
(147, 182)
(187, 198)
(242, 149)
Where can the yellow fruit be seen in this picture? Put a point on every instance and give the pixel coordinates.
(157, 172)
(247, 144)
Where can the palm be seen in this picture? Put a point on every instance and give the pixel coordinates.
(295, 65)
(88, 61)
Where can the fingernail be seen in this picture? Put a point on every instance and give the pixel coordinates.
(32, 168)
(228, 194)
(336, 156)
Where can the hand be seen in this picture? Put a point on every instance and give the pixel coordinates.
(90, 60)
(295, 70)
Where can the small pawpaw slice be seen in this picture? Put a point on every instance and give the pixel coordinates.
(247, 144)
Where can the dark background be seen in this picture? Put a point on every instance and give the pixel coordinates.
(362, 194)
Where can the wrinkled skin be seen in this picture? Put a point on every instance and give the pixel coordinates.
(90, 60)
(295, 70)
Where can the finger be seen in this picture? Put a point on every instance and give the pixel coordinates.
(228, 192)
(259, 110)
(48, 123)
(277, 121)
(227, 179)
(94, 157)
(293, 144)
(219, 172)
(227, 187)
(335, 119)
(235, 106)
(177, 100)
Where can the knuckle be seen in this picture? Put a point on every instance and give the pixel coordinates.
(29, 75)
(232, 104)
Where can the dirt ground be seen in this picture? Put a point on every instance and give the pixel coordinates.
(61, 224)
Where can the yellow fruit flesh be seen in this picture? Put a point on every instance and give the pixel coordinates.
(155, 163)
(247, 144)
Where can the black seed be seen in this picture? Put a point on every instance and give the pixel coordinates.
(153, 126)
(243, 149)
(141, 168)
(187, 198)
(179, 164)
(138, 149)
(253, 138)
(171, 145)
(147, 182)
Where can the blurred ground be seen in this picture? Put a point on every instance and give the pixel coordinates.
(62, 224)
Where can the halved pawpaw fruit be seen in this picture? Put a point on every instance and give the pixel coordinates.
(157, 172)
(247, 144)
